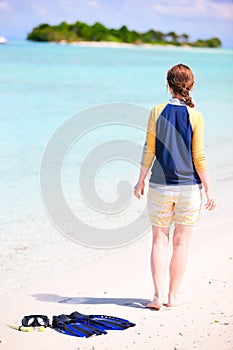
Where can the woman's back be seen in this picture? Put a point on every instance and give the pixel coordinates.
(175, 125)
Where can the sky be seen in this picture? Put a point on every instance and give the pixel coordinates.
(198, 18)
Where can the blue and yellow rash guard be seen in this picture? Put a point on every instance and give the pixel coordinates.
(175, 138)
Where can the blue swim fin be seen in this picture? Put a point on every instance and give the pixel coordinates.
(106, 322)
(64, 324)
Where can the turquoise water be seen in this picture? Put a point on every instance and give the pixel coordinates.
(44, 84)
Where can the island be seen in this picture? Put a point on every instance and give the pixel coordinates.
(82, 32)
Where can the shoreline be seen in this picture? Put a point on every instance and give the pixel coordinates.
(114, 44)
(48, 273)
(107, 284)
(102, 287)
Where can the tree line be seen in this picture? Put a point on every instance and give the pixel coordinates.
(81, 31)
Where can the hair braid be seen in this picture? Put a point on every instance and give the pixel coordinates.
(180, 79)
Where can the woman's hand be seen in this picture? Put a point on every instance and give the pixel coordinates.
(205, 179)
(139, 188)
(211, 203)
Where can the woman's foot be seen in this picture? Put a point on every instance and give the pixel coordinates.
(174, 301)
(155, 304)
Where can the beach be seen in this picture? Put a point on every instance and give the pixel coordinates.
(42, 270)
(114, 44)
(119, 284)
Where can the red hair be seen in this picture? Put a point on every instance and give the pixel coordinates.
(181, 80)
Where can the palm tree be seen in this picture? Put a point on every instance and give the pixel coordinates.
(184, 38)
(173, 36)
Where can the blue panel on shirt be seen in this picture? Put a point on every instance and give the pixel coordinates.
(174, 163)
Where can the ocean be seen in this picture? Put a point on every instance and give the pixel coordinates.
(42, 87)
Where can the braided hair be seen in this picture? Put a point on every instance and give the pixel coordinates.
(181, 80)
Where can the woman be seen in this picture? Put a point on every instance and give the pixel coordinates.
(175, 138)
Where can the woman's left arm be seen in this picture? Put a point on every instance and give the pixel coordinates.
(147, 155)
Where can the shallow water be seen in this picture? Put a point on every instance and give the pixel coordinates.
(43, 85)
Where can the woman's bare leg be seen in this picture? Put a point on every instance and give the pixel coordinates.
(159, 256)
(181, 240)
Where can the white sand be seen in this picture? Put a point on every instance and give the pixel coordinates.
(119, 282)
(114, 44)
(101, 44)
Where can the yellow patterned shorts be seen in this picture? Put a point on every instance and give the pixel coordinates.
(180, 204)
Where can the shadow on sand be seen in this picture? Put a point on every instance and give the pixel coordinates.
(128, 302)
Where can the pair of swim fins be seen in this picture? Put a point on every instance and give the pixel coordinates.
(79, 325)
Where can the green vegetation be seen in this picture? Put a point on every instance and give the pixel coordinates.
(80, 31)
(214, 42)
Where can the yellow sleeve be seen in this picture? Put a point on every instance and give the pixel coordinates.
(149, 147)
(198, 151)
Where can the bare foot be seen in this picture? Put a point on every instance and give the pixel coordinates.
(155, 304)
(174, 302)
